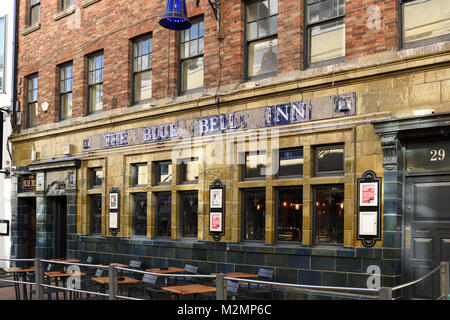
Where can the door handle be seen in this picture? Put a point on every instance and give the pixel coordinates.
(408, 238)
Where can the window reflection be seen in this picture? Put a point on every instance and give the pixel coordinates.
(140, 214)
(163, 172)
(290, 205)
(255, 164)
(329, 211)
(189, 214)
(254, 203)
(291, 163)
(95, 207)
(163, 214)
(189, 171)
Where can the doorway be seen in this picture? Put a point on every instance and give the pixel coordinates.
(58, 206)
(427, 232)
(27, 208)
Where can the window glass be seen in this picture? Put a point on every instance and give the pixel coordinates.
(32, 97)
(95, 206)
(95, 83)
(163, 173)
(189, 214)
(291, 163)
(140, 214)
(142, 68)
(164, 214)
(139, 172)
(326, 30)
(290, 205)
(65, 89)
(255, 164)
(35, 12)
(96, 177)
(189, 170)
(328, 41)
(329, 214)
(66, 4)
(425, 19)
(262, 42)
(329, 160)
(254, 203)
(191, 54)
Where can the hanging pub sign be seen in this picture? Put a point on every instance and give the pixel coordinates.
(4, 227)
(27, 183)
(217, 210)
(114, 211)
(369, 208)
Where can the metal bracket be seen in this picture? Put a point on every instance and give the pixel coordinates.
(215, 5)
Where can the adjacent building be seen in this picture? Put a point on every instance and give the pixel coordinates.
(309, 137)
(7, 43)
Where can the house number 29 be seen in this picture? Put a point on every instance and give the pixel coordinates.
(437, 155)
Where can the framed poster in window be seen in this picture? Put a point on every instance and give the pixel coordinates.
(369, 209)
(113, 201)
(217, 210)
(216, 198)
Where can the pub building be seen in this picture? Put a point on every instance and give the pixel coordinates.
(319, 165)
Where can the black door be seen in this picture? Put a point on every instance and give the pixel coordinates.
(427, 232)
(27, 209)
(58, 206)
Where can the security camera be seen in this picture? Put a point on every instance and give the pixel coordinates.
(13, 168)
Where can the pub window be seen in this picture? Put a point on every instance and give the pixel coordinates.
(189, 171)
(254, 217)
(290, 163)
(254, 165)
(32, 101)
(329, 160)
(191, 56)
(65, 91)
(66, 4)
(95, 214)
(140, 214)
(325, 40)
(142, 69)
(163, 173)
(261, 38)
(163, 214)
(139, 174)
(35, 12)
(95, 177)
(424, 22)
(95, 83)
(289, 220)
(189, 214)
(329, 214)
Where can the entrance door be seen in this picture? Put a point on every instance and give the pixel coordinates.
(27, 209)
(427, 212)
(58, 205)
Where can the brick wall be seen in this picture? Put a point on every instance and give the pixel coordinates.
(110, 25)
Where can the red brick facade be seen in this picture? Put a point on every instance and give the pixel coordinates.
(110, 25)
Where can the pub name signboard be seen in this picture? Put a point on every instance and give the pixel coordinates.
(270, 116)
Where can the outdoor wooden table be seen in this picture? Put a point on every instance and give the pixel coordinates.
(105, 280)
(55, 275)
(22, 272)
(169, 270)
(66, 260)
(189, 289)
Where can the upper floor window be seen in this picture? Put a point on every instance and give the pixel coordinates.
(261, 37)
(95, 83)
(142, 69)
(189, 171)
(65, 91)
(254, 166)
(35, 12)
(425, 22)
(95, 177)
(32, 100)
(2, 53)
(191, 57)
(290, 163)
(329, 160)
(325, 38)
(65, 4)
(139, 175)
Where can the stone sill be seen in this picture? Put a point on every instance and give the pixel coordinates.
(30, 29)
(64, 13)
(87, 3)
